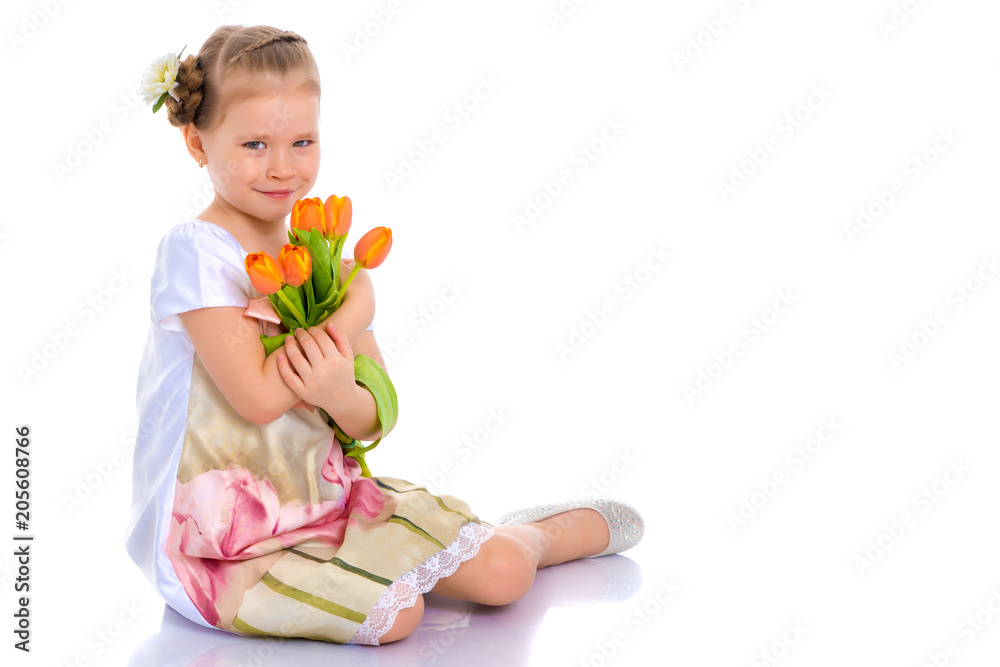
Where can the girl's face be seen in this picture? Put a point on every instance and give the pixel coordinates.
(264, 154)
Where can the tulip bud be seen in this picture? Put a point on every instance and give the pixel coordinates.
(308, 214)
(295, 263)
(372, 248)
(338, 215)
(265, 273)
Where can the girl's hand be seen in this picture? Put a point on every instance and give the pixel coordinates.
(318, 365)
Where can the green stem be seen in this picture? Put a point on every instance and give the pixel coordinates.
(335, 262)
(360, 458)
(310, 301)
(343, 290)
(291, 307)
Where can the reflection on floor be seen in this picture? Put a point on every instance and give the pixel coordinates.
(451, 633)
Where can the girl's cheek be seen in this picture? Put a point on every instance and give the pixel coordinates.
(237, 168)
(313, 161)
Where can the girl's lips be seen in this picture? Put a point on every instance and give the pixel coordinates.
(276, 194)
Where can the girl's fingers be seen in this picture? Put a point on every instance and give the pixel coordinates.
(293, 381)
(310, 346)
(298, 361)
(322, 339)
(339, 339)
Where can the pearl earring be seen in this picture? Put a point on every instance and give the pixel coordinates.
(201, 162)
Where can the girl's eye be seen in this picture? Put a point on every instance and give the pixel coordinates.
(253, 144)
(303, 142)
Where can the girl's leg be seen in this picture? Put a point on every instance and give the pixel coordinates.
(504, 568)
(407, 621)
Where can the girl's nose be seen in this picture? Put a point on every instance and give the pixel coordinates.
(280, 166)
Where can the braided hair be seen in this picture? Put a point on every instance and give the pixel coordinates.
(189, 79)
(260, 51)
(283, 36)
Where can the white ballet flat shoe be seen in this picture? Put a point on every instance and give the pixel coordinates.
(625, 525)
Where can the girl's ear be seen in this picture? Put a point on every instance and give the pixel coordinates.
(192, 138)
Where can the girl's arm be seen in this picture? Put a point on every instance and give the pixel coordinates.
(365, 344)
(228, 344)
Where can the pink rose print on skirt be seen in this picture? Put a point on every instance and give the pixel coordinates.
(222, 517)
(230, 514)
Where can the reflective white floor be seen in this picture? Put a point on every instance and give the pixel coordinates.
(451, 633)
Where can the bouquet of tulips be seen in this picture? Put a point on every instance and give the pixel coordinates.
(303, 285)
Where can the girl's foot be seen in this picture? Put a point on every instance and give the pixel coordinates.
(575, 528)
(574, 534)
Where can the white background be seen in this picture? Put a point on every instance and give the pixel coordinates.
(889, 91)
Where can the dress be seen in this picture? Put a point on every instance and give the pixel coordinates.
(266, 529)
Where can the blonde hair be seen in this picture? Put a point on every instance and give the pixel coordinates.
(262, 52)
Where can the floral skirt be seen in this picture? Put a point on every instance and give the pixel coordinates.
(274, 532)
(345, 593)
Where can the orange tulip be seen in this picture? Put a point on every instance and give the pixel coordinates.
(308, 214)
(264, 272)
(295, 263)
(372, 248)
(338, 214)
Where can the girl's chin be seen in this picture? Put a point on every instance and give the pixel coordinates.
(276, 217)
(274, 209)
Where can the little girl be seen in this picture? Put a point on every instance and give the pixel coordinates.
(247, 516)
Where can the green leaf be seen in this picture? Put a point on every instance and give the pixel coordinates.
(358, 454)
(293, 304)
(272, 343)
(373, 377)
(368, 373)
(289, 322)
(294, 296)
(330, 299)
(159, 102)
(281, 308)
(350, 446)
(345, 285)
(335, 252)
(319, 253)
(311, 310)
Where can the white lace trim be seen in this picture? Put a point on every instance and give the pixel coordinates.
(402, 593)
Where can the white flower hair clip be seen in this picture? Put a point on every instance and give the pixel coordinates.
(161, 80)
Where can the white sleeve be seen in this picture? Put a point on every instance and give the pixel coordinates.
(198, 265)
